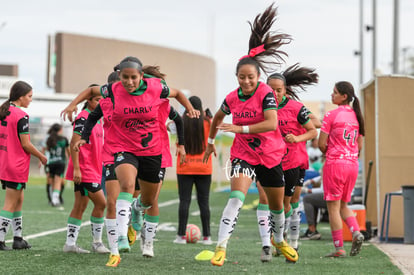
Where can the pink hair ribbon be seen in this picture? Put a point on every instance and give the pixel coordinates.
(255, 51)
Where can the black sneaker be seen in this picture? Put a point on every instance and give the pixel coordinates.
(309, 235)
(4, 247)
(19, 243)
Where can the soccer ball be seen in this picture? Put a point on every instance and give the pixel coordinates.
(193, 233)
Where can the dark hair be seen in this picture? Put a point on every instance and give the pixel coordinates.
(194, 140)
(346, 88)
(271, 41)
(85, 105)
(151, 70)
(19, 89)
(296, 76)
(113, 77)
(53, 135)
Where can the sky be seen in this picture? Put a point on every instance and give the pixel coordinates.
(325, 34)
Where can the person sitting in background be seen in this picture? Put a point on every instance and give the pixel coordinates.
(312, 202)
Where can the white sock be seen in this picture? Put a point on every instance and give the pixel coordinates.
(55, 197)
(123, 213)
(97, 225)
(277, 222)
(4, 227)
(229, 219)
(294, 228)
(112, 234)
(17, 225)
(150, 229)
(264, 229)
(72, 234)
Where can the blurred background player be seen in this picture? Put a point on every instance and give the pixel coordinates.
(15, 151)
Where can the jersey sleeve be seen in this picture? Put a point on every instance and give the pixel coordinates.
(79, 124)
(165, 90)
(23, 125)
(106, 91)
(303, 115)
(326, 123)
(269, 102)
(173, 113)
(89, 123)
(225, 107)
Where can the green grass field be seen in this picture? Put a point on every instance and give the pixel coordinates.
(243, 253)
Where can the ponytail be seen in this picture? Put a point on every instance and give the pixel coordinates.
(263, 44)
(154, 71)
(344, 87)
(296, 76)
(4, 109)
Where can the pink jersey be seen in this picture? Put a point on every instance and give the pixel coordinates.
(292, 115)
(15, 161)
(107, 109)
(257, 149)
(90, 155)
(342, 127)
(135, 119)
(164, 112)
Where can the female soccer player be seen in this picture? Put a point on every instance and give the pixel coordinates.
(194, 172)
(135, 119)
(258, 147)
(296, 126)
(85, 170)
(151, 216)
(58, 148)
(341, 140)
(15, 151)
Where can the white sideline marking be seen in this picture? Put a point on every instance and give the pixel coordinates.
(49, 232)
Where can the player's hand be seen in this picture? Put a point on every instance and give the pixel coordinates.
(181, 151)
(68, 111)
(43, 160)
(193, 113)
(291, 138)
(78, 144)
(211, 148)
(77, 176)
(228, 127)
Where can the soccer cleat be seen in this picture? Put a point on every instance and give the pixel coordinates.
(287, 251)
(207, 241)
(309, 235)
(136, 217)
(219, 256)
(336, 254)
(4, 247)
(114, 260)
(266, 255)
(123, 244)
(100, 248)
(148, 249)
(132, 235)
(180, 240)
(291, 262)
(357, 241)
(74, 249)
(19, 243)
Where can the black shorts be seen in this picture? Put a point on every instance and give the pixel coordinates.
(292, 178)
(13, 185)
(302, 173)
(268, 177)
(161, 175)
(56, 169)
(46, 167)
(110, 172)
(148, 166)
(85, 187)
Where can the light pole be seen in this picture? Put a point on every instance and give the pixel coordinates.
(395, 50)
